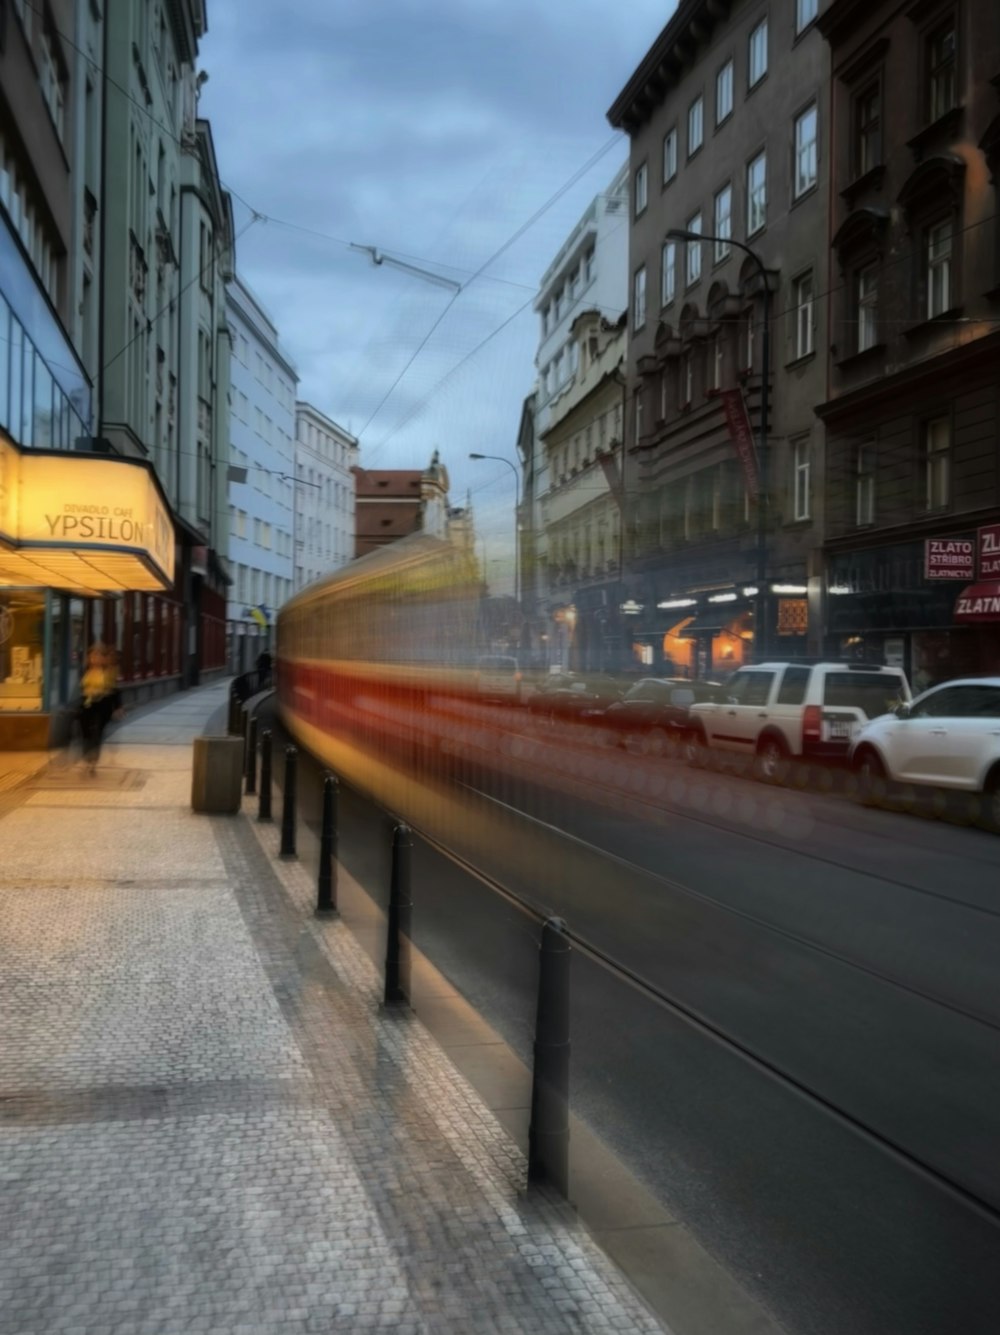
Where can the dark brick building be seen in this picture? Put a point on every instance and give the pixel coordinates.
(727, 115)
(912, 414)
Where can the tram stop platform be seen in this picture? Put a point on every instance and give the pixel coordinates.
(208, 1122)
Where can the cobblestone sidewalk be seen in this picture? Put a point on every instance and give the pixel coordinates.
(207, 1123)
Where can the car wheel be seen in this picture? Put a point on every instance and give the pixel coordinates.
(873, 786)
(696, 748)
(771, 762)
(989, 810)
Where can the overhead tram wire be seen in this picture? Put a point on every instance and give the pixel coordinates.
(568, 185)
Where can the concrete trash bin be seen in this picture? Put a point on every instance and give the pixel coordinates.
(217, 775)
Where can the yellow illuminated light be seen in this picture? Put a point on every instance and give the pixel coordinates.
(76, 522)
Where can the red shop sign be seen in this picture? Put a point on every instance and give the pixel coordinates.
(989, 552)
(949, 558)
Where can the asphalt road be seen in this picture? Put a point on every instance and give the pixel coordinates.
(818, 1093)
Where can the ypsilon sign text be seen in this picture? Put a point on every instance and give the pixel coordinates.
(949, 558)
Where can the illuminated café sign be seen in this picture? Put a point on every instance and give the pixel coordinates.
(70, 521)
(949, 558)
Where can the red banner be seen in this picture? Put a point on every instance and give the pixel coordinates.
(989, 552)
(949, 558)
(741, 433)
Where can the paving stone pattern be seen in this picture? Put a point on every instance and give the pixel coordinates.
(208, 1123)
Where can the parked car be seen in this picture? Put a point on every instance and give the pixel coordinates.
(948, 737)
(654, 717)
(775, 712)
(498, 678)
(581, 696)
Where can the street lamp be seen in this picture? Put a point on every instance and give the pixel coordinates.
(760, 633)
(498, 458)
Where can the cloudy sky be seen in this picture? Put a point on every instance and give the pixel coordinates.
(436, 131)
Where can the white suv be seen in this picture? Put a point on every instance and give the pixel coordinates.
(949, 737)
(773, 712)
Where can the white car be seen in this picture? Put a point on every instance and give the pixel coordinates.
(779, 712)
(948, 737)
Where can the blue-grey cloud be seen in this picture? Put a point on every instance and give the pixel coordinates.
(434, 129)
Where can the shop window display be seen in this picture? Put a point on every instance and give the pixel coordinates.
(22, 637)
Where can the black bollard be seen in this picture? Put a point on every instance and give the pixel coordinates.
(397, 953)
(264, 800)
(548, 1132)
(251, 756)
(326, 889)
(288, 807)
(233, 726)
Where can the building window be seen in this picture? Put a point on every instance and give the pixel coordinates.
(669, 155)
(588, 267)
(557, 307)
(545, 321)
(802, 299)
(687, 378)
(668, 272)
(53, 83)
(757, 57)
(723, 221)
(695, 126)
(868, 129)
(805, 151)
(800, 479)
(692, 252)
(746, 339)
(864, 486)
(639, 298)
(724, 92)
(866, 302)
(937, 450)
(641, 193)
(938, 269)
(715, 360)
(805, 12)
(637, 415)
(756, 194)
(941, 71)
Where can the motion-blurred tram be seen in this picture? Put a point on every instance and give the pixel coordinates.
(378, 662)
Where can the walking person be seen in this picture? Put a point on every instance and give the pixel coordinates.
(100, 700)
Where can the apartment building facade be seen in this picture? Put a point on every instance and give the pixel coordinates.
(115, 239)
(589, 272)
(581, 508)
(261, 475)
(323, 529)
(727, 120)
(912, 415)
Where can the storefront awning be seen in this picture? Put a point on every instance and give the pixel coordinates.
(81, 523)
(709, 621)
(979, 602)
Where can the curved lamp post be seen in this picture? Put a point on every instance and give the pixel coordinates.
(498, 458)
(761, 629)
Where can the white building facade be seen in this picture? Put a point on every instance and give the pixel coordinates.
(261, 475)
(589, 273)
(323, 532)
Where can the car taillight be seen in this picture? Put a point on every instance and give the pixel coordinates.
(812, 723)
